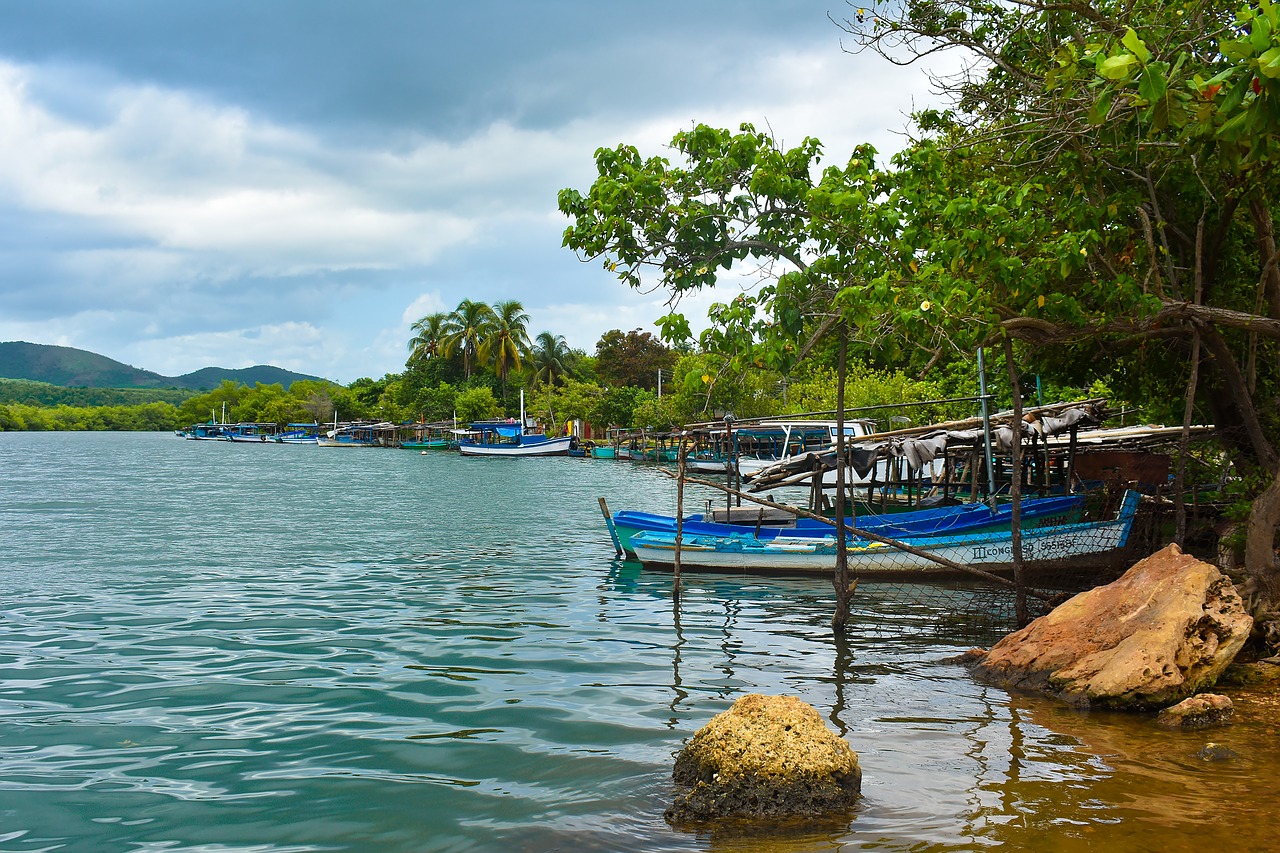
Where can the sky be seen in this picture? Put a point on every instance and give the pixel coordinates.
(231, 183)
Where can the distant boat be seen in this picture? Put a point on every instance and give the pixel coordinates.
(299, 434)
(249, 433)
(787, 555)
(770, 524)
(353, 435)
(706, 462)
(510, 439)
(768, 444)
(206, 432)
(426, 444)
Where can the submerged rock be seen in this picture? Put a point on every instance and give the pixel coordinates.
(1199, 712)
(1161, 633)
(1216, 752)
(766, 757)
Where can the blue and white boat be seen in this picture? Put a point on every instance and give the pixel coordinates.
(250, 433)
(960, 518)
(510, 439)
(990, 551)
(299, 434)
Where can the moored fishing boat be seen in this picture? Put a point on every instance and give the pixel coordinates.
(966, 518)
(354, 435)
(206, 432)
(298, 434)
(990, 551)
(510, 439)
(251, 433)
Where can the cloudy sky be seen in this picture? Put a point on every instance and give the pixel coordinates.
(294, 182)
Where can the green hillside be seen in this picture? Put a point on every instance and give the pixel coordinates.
(71, 367)
(76, 368)
(211, 377)
(43, 394)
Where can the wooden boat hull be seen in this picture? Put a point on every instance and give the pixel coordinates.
(806, 556)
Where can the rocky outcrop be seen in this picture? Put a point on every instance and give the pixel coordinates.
(1199, 712)
(766, 757)
(1161, 633)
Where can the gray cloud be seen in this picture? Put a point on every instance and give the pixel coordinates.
(238, 182)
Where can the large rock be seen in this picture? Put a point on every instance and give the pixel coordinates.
(1159, 634)
(1199, 712)
(766, 757)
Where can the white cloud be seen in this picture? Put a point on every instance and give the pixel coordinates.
(427, 303)
(189, 231)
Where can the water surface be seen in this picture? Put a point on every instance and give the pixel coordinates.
(217, 647)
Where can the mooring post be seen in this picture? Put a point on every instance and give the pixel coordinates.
(613, 531)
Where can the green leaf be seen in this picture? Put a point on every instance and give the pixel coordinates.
(1117, 67)
(1153, 85)
(1269, 63)
(1260, 36)
(1238, 50)
(1136, 45)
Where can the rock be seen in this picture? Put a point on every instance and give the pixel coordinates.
(1199, 712)
(1216, 752)
(967, 658)
(766, 757)
(1250, 674)
(1161, 633)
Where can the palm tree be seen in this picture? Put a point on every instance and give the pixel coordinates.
(508, 341)
(466, 329)
(549, 358)
(429, 338)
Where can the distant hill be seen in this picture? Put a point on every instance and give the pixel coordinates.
(77, 368)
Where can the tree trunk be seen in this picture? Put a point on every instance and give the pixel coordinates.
(1259, 550)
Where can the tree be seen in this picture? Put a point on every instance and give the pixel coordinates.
(466, 330)
(428, 339)
(507, 341)
(549, 359)
(1147, 136)
(476, 404)
(616, 407)
(654, 413)
(633, 358)
(1089, 191)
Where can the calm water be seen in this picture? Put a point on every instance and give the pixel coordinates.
(218, 647)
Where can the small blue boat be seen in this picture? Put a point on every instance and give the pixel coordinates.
(991, 550)
(299, 434)
(961, 518)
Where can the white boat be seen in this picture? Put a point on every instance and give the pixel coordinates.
(772, 443)
(510, 438)
(990, 551)
(503, 439)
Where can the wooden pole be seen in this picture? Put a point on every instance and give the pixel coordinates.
(844, 591)
(1015, 489)
(680, 472)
